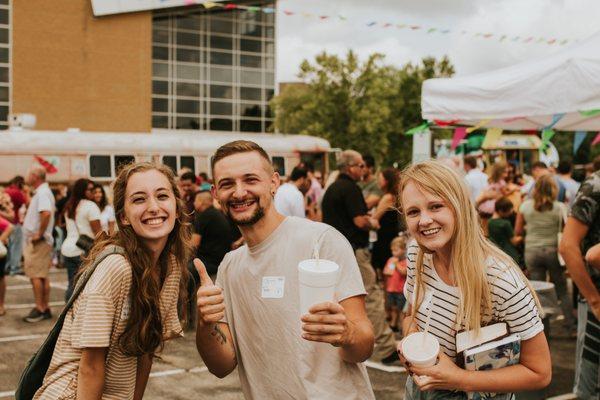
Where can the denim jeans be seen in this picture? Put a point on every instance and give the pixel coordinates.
(15, 250)
(72, 265)
(586, 371)
(542, 261)
(412, 392)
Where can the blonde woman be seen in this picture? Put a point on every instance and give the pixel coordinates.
(467, 282)
(541, 219)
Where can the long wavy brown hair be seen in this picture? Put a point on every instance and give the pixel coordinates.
(144, 330)
(544, 193)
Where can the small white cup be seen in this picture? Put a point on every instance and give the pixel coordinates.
(420, 352)
(317, 282)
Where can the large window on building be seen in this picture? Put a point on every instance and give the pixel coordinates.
(213, 69)
(5, 19)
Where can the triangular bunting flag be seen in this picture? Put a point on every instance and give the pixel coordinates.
(417, 129)
(596, 139)
(459, 134)
(547, 134)
(577, 140)
(555, 119)
(51, 169)
(589, 113)
(492, 136)
(209, 4)
(480, 124)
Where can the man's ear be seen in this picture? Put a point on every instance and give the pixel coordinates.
(275, 182)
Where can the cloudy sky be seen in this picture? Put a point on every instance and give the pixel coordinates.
(301, 37)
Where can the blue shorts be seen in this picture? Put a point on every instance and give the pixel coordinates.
(396, 300)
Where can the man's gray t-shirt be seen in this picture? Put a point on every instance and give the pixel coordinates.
(274, 361)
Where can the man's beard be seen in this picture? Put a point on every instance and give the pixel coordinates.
(251, 220)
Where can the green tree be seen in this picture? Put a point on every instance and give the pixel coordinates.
(364, 106)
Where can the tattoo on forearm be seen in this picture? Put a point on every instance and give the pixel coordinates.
(218, 334)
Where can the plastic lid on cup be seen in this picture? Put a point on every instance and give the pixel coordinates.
(318, 273)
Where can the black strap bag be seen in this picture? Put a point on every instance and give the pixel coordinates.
(35, 371)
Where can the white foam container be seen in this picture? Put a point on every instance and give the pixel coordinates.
(418, 352)
(317, 282)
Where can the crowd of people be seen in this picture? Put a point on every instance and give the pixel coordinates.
(437, 239)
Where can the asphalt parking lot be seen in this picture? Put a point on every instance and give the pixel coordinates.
(181, 374)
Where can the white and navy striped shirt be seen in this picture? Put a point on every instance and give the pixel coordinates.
(512, 301)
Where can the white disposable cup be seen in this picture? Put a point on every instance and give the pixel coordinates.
(419, 352)
(317, 280)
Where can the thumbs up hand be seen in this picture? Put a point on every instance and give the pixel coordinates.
(210, 303)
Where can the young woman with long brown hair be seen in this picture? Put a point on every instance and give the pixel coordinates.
(466, 282)
(540, 219)
(129, 307)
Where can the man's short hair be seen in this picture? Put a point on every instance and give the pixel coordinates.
(539, 164)
(236, 147)
(188, 176)
(564, 167)
(298, 173)
(470, 161)
(38, 171)
(203, 175)
(369, 160)
(347, 158)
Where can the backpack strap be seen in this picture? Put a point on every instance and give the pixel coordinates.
(85, 277)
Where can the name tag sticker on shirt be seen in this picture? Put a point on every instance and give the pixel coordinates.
(272, 287)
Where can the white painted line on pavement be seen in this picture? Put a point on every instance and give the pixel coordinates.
(566, 396)
(382, 367)
(21, 338)
(156, 374)
(167, 372)
(25, 306)
(178, 371)
(58, 285)
(52, 284)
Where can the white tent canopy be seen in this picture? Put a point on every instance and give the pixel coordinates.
(524, 96)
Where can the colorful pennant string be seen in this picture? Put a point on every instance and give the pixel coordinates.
(596, 139)
(387, 24)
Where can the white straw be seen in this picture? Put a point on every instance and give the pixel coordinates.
(426, 330)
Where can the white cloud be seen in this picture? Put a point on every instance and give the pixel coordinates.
(302, 38)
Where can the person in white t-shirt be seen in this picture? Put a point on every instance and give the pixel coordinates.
(457, 280)
(250, 318)
(82, 217)
(289, 198)
(107, 212)
(475, 179)
(37, 236)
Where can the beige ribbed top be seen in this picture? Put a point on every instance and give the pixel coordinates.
(97, 319)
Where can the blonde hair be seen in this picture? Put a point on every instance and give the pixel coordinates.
(496, 171)
(544, 193)
(398, 242)
(469, 248)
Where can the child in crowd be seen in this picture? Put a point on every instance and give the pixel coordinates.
(501, 231)
(395, 274)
